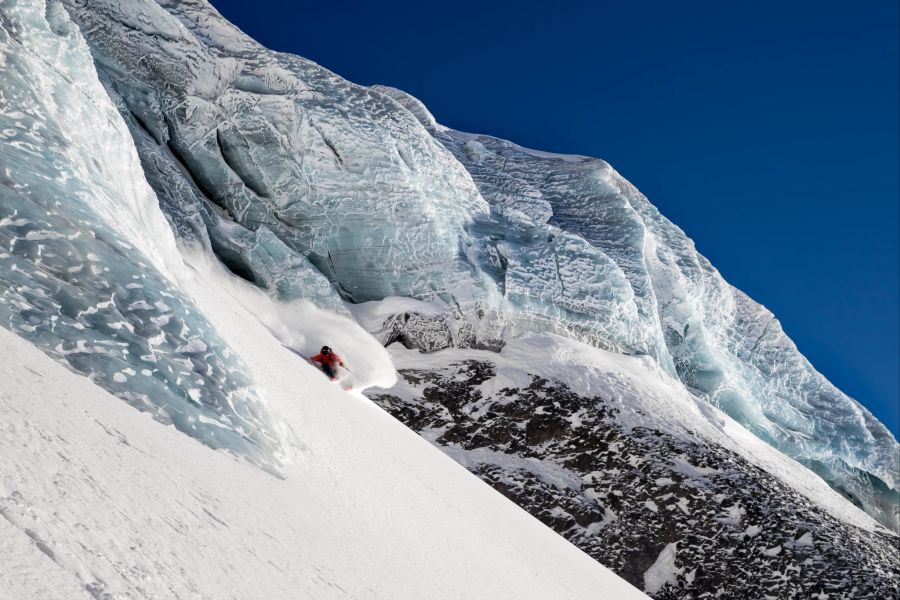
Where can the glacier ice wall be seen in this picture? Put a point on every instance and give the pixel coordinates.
(88, 265)
(277, 161)
(724, 346)
(314, 187)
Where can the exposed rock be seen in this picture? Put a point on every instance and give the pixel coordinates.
(623, 496)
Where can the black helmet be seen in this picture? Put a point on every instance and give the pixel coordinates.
(325, 350)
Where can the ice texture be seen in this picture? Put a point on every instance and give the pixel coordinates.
(314, 187)
(255, 149)
(723, 346)
(88, 265)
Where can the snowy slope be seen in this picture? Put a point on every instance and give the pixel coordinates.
(97, 500)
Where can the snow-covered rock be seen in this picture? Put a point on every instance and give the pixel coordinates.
(669, 492)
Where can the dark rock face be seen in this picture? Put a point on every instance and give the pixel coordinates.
(630, 497)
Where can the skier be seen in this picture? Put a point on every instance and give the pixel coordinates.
(328, 361)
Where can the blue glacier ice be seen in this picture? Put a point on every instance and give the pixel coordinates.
(313, 187)
(88, 266)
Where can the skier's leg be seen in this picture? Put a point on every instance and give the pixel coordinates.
(328, 370)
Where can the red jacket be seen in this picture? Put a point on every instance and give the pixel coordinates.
(329, 359)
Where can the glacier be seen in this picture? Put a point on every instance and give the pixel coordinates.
(89, 269)
(724, 347)
(316, 188)
(353, 198)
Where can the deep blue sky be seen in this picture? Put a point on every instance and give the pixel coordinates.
(767, 131)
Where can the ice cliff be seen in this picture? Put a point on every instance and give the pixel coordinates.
(89, 269)
(313, 187)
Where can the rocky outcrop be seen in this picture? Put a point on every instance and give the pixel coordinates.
(675, 515)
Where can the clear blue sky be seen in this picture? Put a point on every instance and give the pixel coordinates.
(768, 131)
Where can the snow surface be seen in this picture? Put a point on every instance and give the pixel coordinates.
(97, 499)
(303, 327)
(663, 571)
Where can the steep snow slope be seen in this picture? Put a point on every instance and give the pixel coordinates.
(297, 178)
(97, 500)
